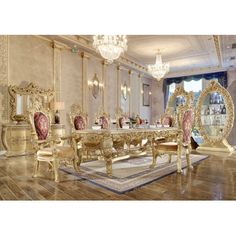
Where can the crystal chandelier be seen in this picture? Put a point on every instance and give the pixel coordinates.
(110, 46)
(159, 69)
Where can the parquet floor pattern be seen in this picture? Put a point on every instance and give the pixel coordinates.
(213, 178)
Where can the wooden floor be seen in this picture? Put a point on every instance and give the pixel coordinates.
(213, 178)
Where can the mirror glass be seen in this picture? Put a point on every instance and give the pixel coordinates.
(22, 104)
(214, 114)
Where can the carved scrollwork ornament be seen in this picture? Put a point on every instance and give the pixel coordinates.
(212, 88)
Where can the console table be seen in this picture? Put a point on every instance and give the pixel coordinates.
(16, 138)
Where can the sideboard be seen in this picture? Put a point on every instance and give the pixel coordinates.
(16, 138)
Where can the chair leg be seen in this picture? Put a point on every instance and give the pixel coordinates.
(179, 161)
(169, 158)
(189, 164)
(55, 167)
(36, 168)
(154, 159)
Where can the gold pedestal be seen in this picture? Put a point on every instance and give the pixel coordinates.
(223, 146)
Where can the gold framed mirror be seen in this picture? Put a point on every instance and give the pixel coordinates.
(215, 118)
(20, 99)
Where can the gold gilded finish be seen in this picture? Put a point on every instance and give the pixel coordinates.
(31, 90)
(179, 91)
(174, 142)
(219, 142)
(76, 110)
(102, 141)
(49, 149)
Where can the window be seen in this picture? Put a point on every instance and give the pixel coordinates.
(195, 86)
(171, 89)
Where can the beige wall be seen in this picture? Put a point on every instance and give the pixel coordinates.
(34, 59)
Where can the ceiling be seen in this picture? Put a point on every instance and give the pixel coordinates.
(186, 54)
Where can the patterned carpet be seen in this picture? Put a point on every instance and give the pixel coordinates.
(129, 174)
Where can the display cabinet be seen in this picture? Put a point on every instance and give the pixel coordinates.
(214, 118)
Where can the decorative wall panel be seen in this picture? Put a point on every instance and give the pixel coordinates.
(3, 82)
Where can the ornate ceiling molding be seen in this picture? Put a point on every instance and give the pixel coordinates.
(218, 48)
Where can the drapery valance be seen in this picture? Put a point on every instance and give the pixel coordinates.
(221, 76)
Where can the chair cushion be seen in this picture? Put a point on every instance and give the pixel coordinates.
(79, 123)
(168, 146)
(41, 123)
(62, 152)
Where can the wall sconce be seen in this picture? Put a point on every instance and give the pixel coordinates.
(150, 93)
(125, 90)
(95, 85)
(142, 92)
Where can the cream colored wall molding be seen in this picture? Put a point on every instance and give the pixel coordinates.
(218, 48)
(4, 77)
(104, 82)
(118, 98)
(130, 92)
(57, 47)
(86, 45)
(84, 87)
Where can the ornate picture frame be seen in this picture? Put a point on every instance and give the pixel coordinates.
(146, 95)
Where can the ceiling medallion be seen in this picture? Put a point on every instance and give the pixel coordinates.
(159, 69)
(110, 46)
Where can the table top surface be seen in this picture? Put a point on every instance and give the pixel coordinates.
(120, 131)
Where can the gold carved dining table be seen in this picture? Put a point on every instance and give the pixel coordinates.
(111, 141)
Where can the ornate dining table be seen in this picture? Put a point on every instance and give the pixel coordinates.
(111, 142)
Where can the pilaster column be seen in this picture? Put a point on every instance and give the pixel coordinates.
(105, 89)
(4, 74)
(57, 70)
(84, 87)
(118, 103)
(130, 93)
(140, 97)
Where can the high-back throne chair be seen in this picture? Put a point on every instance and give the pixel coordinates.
(46, 146)
(185, 122)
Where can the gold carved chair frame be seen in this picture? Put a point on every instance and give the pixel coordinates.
(76, 110)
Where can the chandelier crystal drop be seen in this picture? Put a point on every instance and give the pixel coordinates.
(110, 46)
(159, 69)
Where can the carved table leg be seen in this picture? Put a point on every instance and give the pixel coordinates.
(108, 159)
(154, 157)
(56, 166)
(36, 167)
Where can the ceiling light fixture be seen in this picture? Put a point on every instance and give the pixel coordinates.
(159, 69)
(110, 46)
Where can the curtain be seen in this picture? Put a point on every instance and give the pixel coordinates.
(221, 76)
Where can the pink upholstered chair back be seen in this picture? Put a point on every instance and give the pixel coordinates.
(79, 122)
(104, 122)
(167, 120)
(187, 123)
(41, 123)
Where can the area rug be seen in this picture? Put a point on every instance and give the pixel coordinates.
(130, 173)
